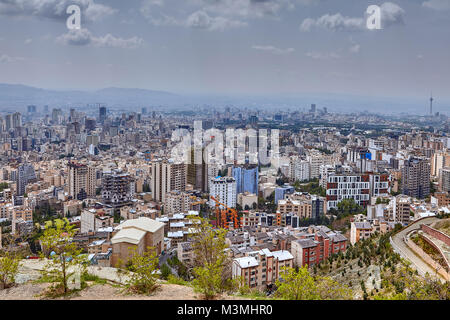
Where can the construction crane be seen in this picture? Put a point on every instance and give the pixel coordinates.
(226, 216)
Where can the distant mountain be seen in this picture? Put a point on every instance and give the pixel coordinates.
(16, 96)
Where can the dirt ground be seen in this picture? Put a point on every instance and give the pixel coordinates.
(33, 291)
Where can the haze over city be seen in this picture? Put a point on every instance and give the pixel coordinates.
(286, 52)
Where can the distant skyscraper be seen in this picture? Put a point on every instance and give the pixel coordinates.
(144, 111)
(57, 116)
(102, 114)
(313, 108)
(431, 104)
(16, 120)
(31, 109)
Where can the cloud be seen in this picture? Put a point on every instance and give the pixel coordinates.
(391, 14)
(28, 41)
(274, 50)
(54, 9)
(246, 8)
(201, 20)
(322, 56)
(4, 58)
(355, 48)
(83, 37)
(439, 5)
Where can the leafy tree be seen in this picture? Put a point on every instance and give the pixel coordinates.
(64, 255)
(142, 271)
(9, 266)
(300, 285)
(212, 269)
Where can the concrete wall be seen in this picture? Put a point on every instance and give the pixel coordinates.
(436, 234)
(425, 257)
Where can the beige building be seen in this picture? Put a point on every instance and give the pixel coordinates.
(167, 176)
(302, 209)
(137, 234)
(82, 181)
(247, 200)
(92, 220)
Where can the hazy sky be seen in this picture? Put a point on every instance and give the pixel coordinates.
(230, 46)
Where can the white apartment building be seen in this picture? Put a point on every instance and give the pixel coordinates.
(299, 170)
(224, 190)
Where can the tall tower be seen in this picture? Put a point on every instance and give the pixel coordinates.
(431, 104)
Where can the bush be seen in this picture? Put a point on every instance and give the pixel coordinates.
(9, 266)
(165, 271)
(142, 271)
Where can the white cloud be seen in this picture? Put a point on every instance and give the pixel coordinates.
(355, 48)
(84, 37)
(4, 58)
(54, 9)
(391, 14)
(28, 41)
(322, 56)
(274, 50)
(437, 4)
(201, 20)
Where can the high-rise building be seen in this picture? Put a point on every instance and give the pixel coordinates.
(224, 190)
(57, 116)
(299, 170)
(444, 179)
(25, 174)
(31, 109)
(117, 189)
(16, 120)
(197, 173)
(167, 176)
(246, 179)
(102, 114)
(416, 178)
(82, 181)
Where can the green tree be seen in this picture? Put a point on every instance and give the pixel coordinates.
(142, 271)
(300, 285)
(65, 260)
(212, 269)
(9, 266)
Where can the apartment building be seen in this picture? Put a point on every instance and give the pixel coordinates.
(359, 187)
(81, 181)
(316, 245)
(224, 190)
(261, 269)
(117, 189)
(302, 209)
(299, 169)
(416, 178)
(92, 220)
(167, 176)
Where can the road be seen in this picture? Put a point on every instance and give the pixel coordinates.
(164, 257)
(405, 252)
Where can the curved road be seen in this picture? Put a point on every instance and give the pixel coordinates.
(405, 252)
